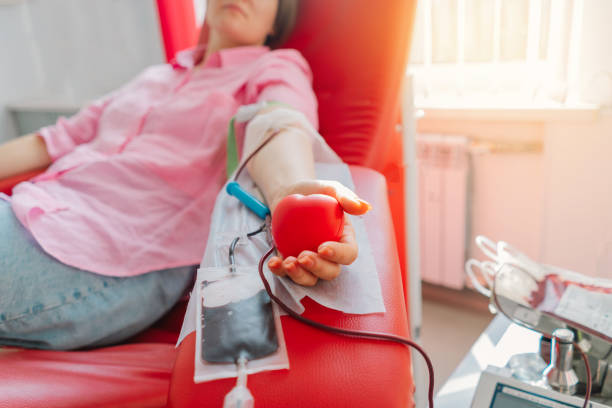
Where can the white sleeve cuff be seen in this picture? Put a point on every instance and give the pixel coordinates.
(262, 124)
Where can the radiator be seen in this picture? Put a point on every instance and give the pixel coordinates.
(443, 181)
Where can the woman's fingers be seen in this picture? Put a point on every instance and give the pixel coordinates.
(298, 274)
(350, 202)
(290, 267)
(309, 262)
(344, 251)
(319, 267)
(276, 266)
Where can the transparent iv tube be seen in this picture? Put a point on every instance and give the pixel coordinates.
(240, 396)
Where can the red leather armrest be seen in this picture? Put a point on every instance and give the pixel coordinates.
(328, 370)
(7, 184)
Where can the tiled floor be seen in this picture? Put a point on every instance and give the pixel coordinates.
(447, 334)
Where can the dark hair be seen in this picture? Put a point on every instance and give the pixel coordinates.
(286, 16)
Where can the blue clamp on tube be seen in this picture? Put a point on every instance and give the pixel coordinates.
(253, 204)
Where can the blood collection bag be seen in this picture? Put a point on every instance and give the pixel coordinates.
(236, 321)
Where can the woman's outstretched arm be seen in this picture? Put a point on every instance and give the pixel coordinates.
(286, 166)
(23, 154)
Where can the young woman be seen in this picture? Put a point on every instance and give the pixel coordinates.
(103, 243)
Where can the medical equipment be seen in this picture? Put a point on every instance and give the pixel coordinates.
(498, 388)
(571, 311)
(240, 396)
(236, 327)
(253, 204)
(239, 330)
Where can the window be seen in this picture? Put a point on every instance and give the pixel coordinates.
(504, 52)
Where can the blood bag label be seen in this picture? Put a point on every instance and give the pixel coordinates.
(587, 308)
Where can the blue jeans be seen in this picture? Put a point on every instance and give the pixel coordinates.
(50, 305)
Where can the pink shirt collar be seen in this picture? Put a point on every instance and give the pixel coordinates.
(225, 57)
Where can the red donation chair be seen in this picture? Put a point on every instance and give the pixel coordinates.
(358, 51)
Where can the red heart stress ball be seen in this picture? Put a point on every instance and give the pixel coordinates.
(302, 222)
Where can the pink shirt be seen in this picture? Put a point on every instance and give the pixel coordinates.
(135, 174)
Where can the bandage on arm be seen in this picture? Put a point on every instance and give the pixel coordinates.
(286, 159)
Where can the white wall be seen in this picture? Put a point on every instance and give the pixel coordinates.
(506, 188)
(556, 205)
(577, 227)
(70, 51)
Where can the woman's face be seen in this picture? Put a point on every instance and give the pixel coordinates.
(241, 22)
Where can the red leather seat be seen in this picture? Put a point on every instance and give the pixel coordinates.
(358, 52)
(326, 370)
(133, 375)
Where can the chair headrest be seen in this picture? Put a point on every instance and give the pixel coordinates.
(358, 51)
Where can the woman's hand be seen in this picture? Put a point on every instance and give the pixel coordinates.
(311, 266)
(285, 166)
